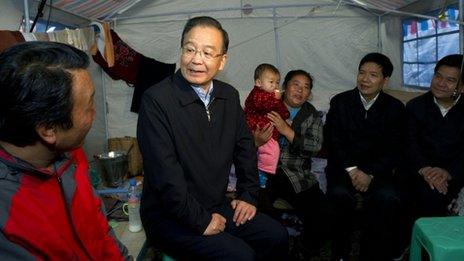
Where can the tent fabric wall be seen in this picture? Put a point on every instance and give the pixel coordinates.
(320, 36)
(328, 43)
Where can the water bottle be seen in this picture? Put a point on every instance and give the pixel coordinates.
(133, 202)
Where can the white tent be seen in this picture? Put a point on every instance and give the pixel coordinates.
(325, 37)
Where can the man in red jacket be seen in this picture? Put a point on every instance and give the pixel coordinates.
(48, 210)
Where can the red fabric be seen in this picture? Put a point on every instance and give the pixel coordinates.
(126, 61)
(413, 27)
(258, 104)
(41, 221)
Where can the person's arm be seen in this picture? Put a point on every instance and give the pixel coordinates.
(109, 240)
(245, 161)
(262, 135)
(335, 135)
(13, 251)
(163, 171)
(281, 125)
(456, 168)
(415, 153)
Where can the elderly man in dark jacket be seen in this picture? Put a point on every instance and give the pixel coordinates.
(191, 129)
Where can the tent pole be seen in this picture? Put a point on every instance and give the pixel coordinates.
(222, 9)
(26, 16)
(379, 37)
(106, 109)
(461, 29)
(276, 38)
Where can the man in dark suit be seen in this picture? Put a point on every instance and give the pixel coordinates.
(364, 135)
(436, 139)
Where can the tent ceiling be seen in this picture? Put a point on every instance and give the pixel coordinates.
(383, 5)
(104, 9)
(94, 9)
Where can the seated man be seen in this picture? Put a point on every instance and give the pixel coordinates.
(48, 209)
(364, 133)
(191, 129)
(436, 139)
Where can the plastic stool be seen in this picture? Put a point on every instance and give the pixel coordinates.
(442, 237)
(167, 258)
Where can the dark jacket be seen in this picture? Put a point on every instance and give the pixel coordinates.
(187, 157)
(372, 140)
(435, 140)
(46, 215)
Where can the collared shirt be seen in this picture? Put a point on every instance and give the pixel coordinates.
(205, 96)
(367, 104)
(444, 110)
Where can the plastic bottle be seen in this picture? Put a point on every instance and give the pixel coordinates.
(133, 202)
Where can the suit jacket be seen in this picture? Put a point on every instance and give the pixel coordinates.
(435, 140)
(372, 140)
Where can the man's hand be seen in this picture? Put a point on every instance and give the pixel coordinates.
(216, 225)
(262, 135)
(360, 180)
(243, 211)
(437, 178)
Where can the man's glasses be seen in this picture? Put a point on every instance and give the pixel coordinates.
(190, 51)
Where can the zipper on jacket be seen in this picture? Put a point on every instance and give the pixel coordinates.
(208, 112)
(68, 213)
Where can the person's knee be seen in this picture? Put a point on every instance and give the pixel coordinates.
(275, 241)
(339, 198)
(274, 233)
(242, 253)
(387, 198)
(278, 235)
(338, 192)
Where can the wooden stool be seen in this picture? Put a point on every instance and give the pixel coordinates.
(442, 237)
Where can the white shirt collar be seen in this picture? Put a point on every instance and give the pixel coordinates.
(367, 104)
(444, 110)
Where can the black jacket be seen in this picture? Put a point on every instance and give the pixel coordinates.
(372, 140)
(435, 140)
(187, 158)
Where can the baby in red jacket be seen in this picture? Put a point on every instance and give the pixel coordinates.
(264, 98)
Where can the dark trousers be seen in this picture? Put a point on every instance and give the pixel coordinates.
(379, 219)
(261, 238)
(311, 205)
(432, 203)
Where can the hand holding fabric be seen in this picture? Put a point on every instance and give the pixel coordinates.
(243, 211)
(262, 135)
(436, 177)
(216, 225)
(281, 125)
(360, 180)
